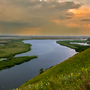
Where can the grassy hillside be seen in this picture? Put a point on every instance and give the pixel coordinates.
(13, 47)
(71, 74)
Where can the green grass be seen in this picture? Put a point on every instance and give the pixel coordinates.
(13, 47)
(12, 61)
(71, 74)
(77, 47)
(10, 49)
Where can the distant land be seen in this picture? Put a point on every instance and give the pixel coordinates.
(42, 37)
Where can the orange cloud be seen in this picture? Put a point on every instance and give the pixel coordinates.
(87, 26)
(72, 25)
(82, 12)
(57, 21)
(30, 31)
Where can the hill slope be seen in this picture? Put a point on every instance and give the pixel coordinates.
(71, 74)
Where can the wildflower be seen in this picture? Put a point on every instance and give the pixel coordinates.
(29, 85)
(85, 69)
(46, 84)
(82, 69)
(71, 74)
(17, 89)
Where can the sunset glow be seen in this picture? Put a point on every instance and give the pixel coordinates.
(71, 10)
(44, 17)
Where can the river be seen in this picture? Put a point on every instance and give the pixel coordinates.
(49, 54)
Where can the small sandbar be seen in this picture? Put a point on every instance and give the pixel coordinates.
(85, 44)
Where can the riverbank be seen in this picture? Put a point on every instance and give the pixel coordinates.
(71, 74)
(10, 62)
(10, 49)
(77, 47)
(49, 54)
(13, 47)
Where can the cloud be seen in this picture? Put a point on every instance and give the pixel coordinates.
(69, 14)
(18, 24)
(37, 22)
(30, 31)
(11, 27)
(85, 20)
(87, 26)
(67, 5)
(32, 14)
(49, 3)
(64, 17)
(39, 5)
(14, 27)
(18, 9)
(72, 25)
(59, 6)
(33, 22)
(57, 29)
(25, 10)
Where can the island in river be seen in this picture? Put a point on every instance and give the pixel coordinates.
(9, 49)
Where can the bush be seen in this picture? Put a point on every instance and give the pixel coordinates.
(41, 71)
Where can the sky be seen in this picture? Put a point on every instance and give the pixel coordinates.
(45, 17)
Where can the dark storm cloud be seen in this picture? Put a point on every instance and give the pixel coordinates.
(85, 20)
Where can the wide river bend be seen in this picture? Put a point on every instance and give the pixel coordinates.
(49, 54)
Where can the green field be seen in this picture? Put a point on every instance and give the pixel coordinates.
(13, 47)
(10, 62)
(77, 47)
(71, 74)
(10, 49)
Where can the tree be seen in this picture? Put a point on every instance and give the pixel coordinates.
(41, 71)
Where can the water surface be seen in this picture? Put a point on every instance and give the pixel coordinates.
(49, 54)
(85, 44)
